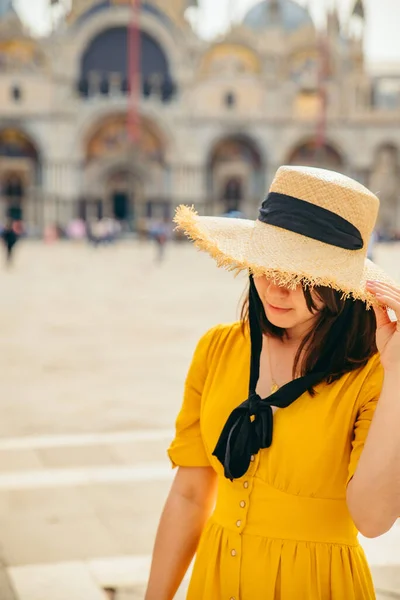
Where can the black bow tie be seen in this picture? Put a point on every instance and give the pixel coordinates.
(249, 428)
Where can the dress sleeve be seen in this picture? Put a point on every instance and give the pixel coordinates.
(369, 394)
(187, 449)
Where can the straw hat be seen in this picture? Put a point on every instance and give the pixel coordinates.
(313, 228)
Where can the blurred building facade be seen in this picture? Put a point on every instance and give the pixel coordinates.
(216, 119)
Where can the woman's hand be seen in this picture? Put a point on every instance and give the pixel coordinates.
(387, 332)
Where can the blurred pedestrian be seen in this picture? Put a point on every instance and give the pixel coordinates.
(96, 232)
(10, 238)
(76, 230)
(161, 234)
(112, 229)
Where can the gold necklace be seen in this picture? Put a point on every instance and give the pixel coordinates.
(274, 386)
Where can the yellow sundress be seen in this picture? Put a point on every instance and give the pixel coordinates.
(283, 531)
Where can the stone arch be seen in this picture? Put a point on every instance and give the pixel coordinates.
(235, 172)
(16, 143)
(125, 181)
(311, 153)
(81, 14)
(20, 172)
(102, 70)
(120, 17)
(388, 148)
(109, 137)
(86, 125)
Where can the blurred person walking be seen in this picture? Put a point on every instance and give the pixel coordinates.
(10, 238)
(161, 234)
(76, 230)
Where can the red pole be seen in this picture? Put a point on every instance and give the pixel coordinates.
(135, 83)
(323, 75)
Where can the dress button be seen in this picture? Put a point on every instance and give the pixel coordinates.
(252, 458)
(238, 523)
(233, 552)
(242, 504)
(246, 485)
(232, 598)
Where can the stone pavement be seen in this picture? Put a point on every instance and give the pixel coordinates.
(94, 348)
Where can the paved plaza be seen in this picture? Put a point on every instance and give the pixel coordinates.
(94, 347)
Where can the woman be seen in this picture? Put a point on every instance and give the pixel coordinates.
(271, 491)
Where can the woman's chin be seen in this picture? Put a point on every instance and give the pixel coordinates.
(281, 322)
(280, 318)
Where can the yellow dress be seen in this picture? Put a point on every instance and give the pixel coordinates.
(283, 531)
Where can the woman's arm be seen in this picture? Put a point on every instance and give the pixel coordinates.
(373, 495)
(188, 506)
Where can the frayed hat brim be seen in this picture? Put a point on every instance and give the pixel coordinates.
(288, 258)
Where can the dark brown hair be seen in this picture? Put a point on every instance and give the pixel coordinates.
(344, 349)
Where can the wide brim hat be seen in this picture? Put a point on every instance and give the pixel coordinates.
(313, 229)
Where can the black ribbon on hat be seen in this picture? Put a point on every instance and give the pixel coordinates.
(249, 428)
(310, 220)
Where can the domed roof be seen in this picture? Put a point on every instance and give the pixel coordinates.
(282, 13)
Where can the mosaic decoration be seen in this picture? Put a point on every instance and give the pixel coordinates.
(111, 139)
(233, 150)
(15, 144)
(230, 58)
(311, 154)
(304, 66)
(20, 55)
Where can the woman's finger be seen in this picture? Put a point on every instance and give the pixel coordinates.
(384, 288)
(382, 317)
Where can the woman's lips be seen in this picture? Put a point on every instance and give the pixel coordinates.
(277, 308)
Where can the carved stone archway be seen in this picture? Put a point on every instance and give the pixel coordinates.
(121, 179)
(234, 175)
(312, 154)
(20, 168)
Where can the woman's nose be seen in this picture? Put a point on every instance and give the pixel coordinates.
(277, 289)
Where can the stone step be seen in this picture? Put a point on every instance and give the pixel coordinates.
(124, 578)
(138, 593)
(6, 590)
(65, 581)
(114, 578)
(18, 455)
(387, 581)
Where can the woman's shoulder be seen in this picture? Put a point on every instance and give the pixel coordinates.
(373, 369)
(223, 335)
(369, 378)
(225, 330)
